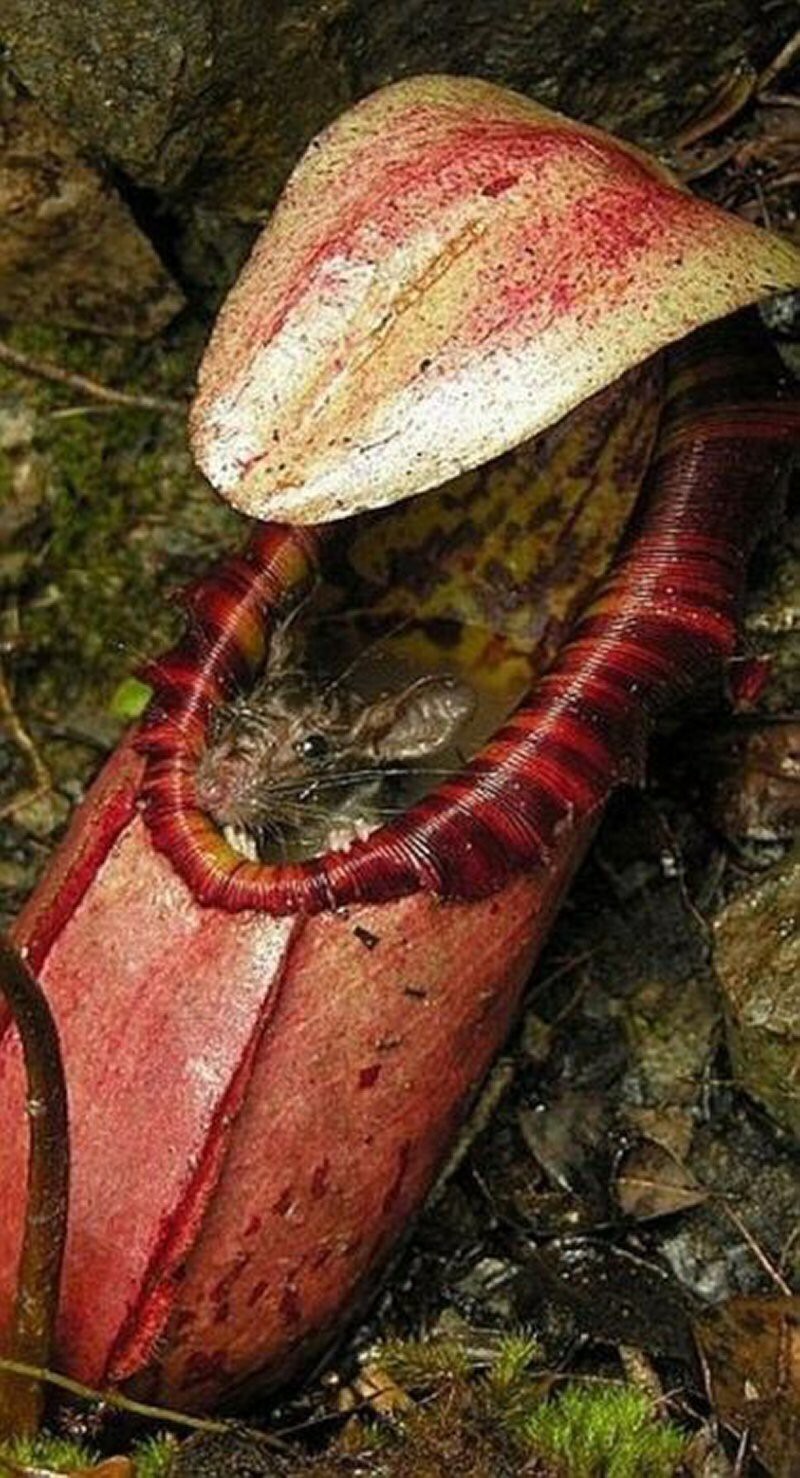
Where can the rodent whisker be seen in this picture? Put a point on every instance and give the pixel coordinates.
(310, 784)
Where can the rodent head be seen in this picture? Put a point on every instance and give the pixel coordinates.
(293, 742)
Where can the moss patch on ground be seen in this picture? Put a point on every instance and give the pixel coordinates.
(122, 516)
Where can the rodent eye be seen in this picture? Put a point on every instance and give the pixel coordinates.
(312, 747)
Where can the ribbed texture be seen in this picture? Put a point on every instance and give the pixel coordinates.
(664, 621)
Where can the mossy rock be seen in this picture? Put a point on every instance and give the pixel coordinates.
(757, 959)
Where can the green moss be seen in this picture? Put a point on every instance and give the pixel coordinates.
(418, 1364)
(482, 1416)
(487, 1414)
(604, 1432)
(56, 1453)
(506, 1392)
(154, 1457)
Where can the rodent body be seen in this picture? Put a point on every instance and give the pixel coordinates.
(303, 762)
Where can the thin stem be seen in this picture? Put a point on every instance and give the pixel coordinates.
(43, 369)
(116, 1399)
(39, 1273)
(757, 1250)
(39, 773)
(779, 63)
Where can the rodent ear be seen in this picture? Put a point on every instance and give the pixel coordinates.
(422, 719)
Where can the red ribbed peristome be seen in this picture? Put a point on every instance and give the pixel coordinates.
(664, 621)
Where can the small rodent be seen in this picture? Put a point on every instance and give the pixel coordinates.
(303, 762)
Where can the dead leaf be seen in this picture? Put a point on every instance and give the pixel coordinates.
(672, 1127)
(376, 1387)
(651, 1182)
(750, 1348)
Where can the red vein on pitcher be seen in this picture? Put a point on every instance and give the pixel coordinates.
(664, 621)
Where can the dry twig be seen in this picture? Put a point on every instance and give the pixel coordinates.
(41, 782)
(757, 1250)
(43, 369)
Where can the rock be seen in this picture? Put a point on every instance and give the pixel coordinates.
(70, 251)
(757, 959)
(673, 1028)
(126, 79)
(213, 102)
